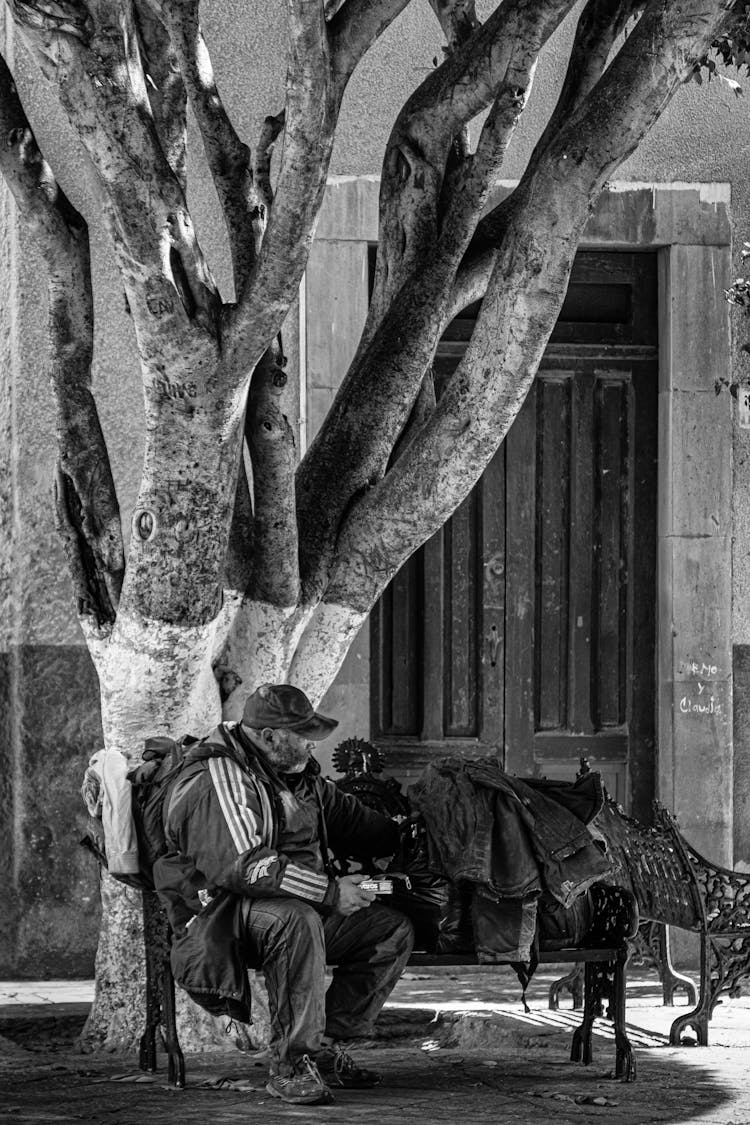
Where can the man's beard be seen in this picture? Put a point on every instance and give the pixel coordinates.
(287, 758)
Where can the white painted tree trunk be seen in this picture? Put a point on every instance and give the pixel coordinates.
(259, 649)
(155, 679)
(323, 646)
(159, 679)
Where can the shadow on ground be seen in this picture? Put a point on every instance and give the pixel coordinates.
(674, 1086)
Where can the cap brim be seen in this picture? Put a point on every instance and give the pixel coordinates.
(317, 728)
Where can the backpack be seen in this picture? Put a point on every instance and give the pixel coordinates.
(151, 781)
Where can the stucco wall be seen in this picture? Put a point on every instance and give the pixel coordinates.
(48, 719)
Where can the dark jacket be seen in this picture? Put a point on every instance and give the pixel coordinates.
(237, 831)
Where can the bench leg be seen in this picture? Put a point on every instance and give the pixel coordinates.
(573, 981)
(605, 982)
(672, 980)
(147, 1046)
(147, 1049)
(160, 995)
(624, 1055)
(580, 1050)
(175, 1057)
(653, 948)
(700, 1015)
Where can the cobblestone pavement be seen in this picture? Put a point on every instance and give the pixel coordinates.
(451, 1048)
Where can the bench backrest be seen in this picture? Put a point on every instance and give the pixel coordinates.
(653, 862)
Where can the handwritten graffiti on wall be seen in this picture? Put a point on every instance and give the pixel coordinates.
(701, 696)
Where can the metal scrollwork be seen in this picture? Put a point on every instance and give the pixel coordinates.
(361, 762)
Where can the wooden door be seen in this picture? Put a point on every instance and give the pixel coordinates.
(526, 626)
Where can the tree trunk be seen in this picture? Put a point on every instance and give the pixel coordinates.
(259, 650)
(155, 679)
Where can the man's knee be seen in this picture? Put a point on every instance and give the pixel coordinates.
(276, 921)
(396, 929)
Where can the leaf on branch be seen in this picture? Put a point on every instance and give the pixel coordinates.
(732, 48)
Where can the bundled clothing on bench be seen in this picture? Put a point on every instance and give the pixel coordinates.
(513, 842)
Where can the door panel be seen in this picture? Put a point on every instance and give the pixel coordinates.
(461, 621)
(587, 561)
(526, 626)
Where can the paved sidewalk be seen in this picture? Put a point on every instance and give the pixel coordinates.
(451, 1046)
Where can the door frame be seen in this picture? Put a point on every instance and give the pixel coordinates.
(689, 226)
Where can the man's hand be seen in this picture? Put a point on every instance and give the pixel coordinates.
(351, 898)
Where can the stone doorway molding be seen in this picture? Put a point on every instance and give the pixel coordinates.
(688, 224)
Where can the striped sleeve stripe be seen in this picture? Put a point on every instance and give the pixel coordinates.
(305, 875)
(239, 795)
(242, 825)
(266, 813)
(305, 884)
(301, 890)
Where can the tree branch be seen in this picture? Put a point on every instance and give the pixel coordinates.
(99, 77)
(421, 255)
(424, 405)
(88, 517)
(322, 57)
(272, 450)
(309, 123)
(543, 224)
(599, 25)
(165, 87)
(458, 19)
(354, 28)
(228, 157)
(272, 129)
(501, 53)
(238, 566)
(194, 403)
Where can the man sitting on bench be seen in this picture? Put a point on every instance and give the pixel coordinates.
(247, 884)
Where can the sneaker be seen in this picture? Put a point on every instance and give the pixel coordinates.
(303, 1087)
(339, 1069)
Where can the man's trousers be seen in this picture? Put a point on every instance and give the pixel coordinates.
(293, 944)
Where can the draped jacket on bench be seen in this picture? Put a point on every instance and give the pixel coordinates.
(237, 831)
(512, 840)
